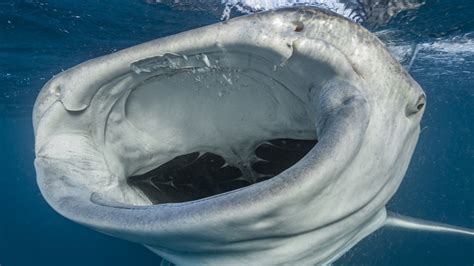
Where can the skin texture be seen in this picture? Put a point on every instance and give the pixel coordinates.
(351, 95)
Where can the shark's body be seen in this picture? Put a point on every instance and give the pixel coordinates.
(103, 126)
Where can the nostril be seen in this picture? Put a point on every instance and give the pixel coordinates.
(299, 26)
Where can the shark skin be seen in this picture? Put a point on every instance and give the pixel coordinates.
(300, 73)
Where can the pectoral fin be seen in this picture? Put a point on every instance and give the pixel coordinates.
(409, 223)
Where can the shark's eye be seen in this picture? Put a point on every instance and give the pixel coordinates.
(417, 107)
(421, 102)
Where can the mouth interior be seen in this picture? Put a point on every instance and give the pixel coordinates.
(202, 174)
(194, 126)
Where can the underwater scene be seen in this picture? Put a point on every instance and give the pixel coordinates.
(432, 40)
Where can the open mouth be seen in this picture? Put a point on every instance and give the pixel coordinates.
(211, 123)
(185, 126)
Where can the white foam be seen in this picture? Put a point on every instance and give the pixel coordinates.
(271, 4)
(452, 49)
(249, 6)
(452, 46)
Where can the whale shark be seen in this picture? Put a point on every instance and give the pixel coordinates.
(267, 139)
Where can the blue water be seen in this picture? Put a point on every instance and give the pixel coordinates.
(40, 38)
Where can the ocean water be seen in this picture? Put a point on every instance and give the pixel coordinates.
(41, 38)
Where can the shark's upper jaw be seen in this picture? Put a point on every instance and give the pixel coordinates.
(121, 137)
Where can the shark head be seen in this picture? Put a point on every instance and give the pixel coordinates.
(271, 138)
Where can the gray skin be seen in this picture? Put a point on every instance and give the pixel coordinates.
(297, 73)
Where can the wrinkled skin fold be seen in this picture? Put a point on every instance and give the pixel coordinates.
(298, 73)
